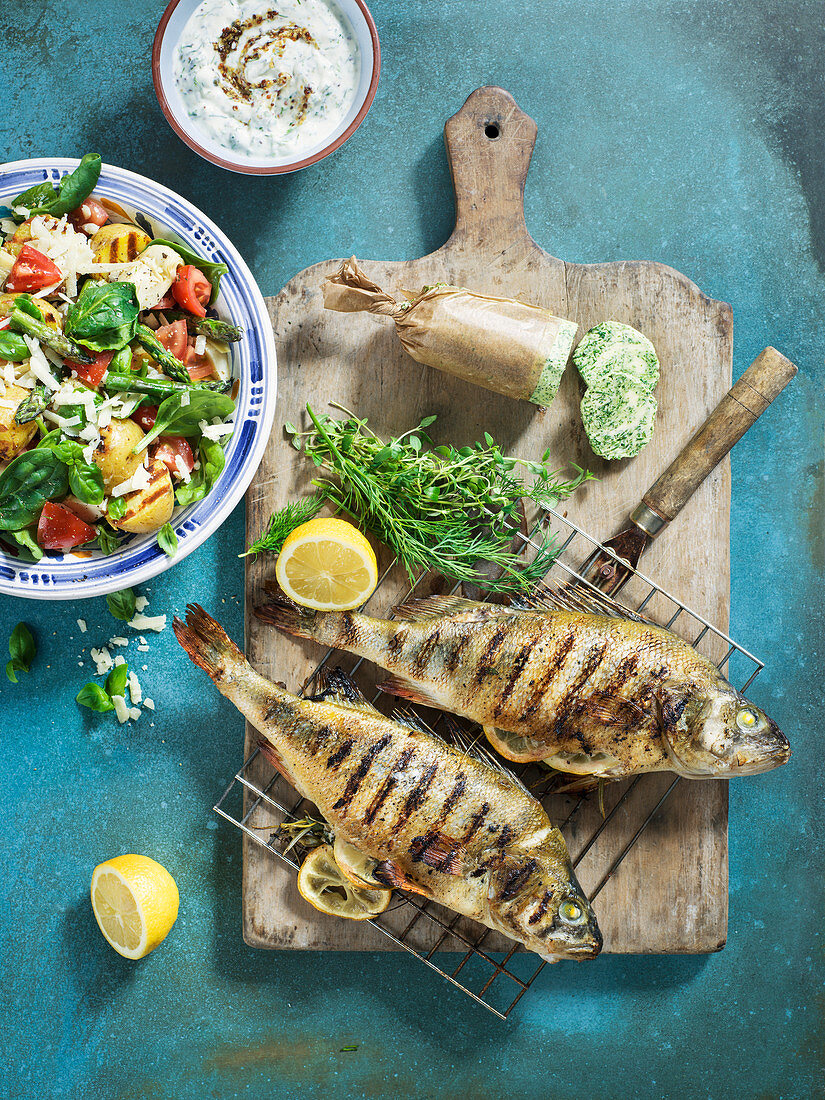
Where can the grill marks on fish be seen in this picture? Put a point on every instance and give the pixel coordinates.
(387, 786)
(425, 652)
(541, 908)
(416, 797)
(516, 878)
(546, 677)
(340, 754)
(361, 772)
(519, 661)
(486, 662)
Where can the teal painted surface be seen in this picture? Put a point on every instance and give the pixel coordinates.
(684, 132)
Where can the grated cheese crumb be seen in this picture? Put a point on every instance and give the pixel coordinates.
(102, 659)
(148, 622)
(149, 704)
(121, 710)
(82, 624)
(141, 603)
(135, 692)
(119, 641)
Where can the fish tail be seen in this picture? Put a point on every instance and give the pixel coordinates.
(207, 643)
(279, 610)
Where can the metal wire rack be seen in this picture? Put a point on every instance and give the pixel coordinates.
(492, 971)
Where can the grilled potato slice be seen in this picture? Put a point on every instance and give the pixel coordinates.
(50, 314)
(14, 437)
(114, 456)
(148, 509)
(118, 244)
(19, 237)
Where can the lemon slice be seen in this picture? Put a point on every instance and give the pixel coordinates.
(135, 903)
(323, 885)
(353, 864)
(327, 565)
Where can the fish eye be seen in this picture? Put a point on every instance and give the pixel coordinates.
(746, 719)
(572, 912)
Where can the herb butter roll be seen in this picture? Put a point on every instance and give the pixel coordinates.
(504, 345)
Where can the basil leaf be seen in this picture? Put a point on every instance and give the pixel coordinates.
(26, 544)
(22, 651)
(26, 304)
(168, 540)
(176, 419)
(122, 604)
(116, 508)
(212, 461)
(211, 270)
(33, 198)
(104, 317)
(13, 347)
(32, 406)
(72, 190)
(86, 482)
(116, 680)
(107, 540)
(27, 483)
(95, 698)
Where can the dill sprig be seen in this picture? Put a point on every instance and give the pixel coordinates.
(437, 507)
(282, 524)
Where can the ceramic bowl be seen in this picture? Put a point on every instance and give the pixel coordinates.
(167, 36)
(75, 575)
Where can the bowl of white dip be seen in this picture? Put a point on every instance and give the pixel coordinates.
(265, 89)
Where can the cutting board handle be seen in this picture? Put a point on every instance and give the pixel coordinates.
(742, 405)
(489, 145)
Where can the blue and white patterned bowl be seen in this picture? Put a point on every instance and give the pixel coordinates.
(72, 576)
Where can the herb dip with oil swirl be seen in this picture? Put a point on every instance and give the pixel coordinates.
(266, 80)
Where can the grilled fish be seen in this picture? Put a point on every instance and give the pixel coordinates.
(432, 818)
(590, 694)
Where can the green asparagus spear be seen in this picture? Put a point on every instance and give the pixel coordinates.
(32, 406)
(158, 387)
(51, 337)
(165, 359)
(206, 326)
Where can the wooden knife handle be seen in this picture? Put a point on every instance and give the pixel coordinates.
(489, 145)
(742, 405)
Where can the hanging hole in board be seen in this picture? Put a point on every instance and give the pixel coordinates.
(492, 131)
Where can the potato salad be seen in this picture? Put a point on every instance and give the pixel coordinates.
(115, 377)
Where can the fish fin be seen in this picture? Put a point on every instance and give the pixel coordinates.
(459, 737)
(439, 607)
(441, 852)
(397, 685)
(280, 611)
(335, 686)
(576, 597)
(405, 716)
(273, 757)
(206, 642)
(612, 709)
(390, 874)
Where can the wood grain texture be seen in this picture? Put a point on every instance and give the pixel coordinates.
(670, 893)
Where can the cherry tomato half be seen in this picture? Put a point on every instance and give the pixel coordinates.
(60, 529)
(192, 290)
(173, 337)
(32, 271)
(145, 416)
(92, 373)
(172, 447)
(90, 213)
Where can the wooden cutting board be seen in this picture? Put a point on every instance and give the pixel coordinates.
(670, 893)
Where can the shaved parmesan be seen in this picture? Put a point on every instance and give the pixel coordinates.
(148, 622)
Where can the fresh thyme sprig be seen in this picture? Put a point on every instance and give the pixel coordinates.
(443, 508)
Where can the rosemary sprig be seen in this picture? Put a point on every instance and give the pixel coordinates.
(443, 508)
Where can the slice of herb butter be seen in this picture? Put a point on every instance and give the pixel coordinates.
(618, 418)
(615, 347)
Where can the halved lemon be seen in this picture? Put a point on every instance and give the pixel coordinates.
(325, 887)
(353, 864)
(135, 903)
(327, 565)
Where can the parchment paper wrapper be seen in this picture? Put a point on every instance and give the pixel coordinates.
(504, 345)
